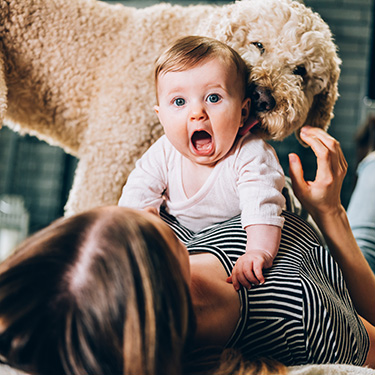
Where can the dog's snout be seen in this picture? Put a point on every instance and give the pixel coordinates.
(262, 99)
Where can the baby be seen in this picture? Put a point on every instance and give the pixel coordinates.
(208, 167)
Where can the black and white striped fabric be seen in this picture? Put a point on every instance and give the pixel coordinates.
(303, 312)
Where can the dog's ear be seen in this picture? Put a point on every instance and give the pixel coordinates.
(321, 111)
(3, 91)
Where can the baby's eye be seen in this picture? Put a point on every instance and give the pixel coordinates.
(213, 98)
(179, 102)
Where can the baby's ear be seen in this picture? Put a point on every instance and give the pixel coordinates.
(248, 120)
(246, 105)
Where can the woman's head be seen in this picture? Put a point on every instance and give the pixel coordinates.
(97, 293)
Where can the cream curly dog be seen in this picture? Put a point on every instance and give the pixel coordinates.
(79, 74)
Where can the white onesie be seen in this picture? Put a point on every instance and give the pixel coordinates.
(247, 181)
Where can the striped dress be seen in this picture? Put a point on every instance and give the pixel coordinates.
(303, 312)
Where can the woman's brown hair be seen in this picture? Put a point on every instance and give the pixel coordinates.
(94, 294)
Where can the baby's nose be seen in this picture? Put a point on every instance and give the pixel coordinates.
(198, 113)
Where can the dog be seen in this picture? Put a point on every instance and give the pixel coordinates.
(79, 74)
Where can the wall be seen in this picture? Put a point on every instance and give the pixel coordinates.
(42, 174)
(36, 171)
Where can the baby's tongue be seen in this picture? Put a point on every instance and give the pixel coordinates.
(201, 140)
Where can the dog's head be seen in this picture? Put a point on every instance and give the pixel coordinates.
(293, 60)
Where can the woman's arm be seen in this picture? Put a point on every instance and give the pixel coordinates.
(321, 198)
(361, 208)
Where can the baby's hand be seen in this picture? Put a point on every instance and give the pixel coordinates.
(248, 269)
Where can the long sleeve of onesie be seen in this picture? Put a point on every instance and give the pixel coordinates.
(148, 180)
(260, 180)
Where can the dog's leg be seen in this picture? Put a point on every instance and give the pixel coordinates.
(97, 182)
(106, 161)
(3, 91)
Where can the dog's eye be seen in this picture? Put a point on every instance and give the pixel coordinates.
(260, 47)
(300, 71)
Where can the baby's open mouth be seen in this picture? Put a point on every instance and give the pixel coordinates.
(202, 142)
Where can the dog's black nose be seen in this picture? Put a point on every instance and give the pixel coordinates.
(262, 99)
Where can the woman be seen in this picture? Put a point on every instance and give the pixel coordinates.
(361, 208)
(112, 291)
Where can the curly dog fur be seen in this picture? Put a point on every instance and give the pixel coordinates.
(79, 74)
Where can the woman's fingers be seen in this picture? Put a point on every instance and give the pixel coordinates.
(342, 161)
(296, 174)
(331, 162)
(325, 149)
(323, 193)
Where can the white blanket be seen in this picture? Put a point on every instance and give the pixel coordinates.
(330, 370)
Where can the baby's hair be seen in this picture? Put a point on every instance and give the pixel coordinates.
(190, 51)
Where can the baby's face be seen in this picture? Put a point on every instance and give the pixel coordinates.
(201, 110)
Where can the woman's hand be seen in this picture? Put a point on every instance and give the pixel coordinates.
(321, 196)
